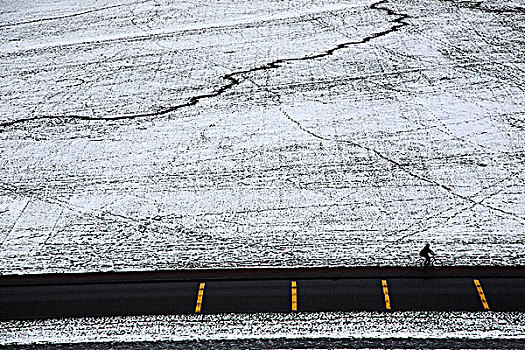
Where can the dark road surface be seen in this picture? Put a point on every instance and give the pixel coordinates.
(262, 290)
(301, 343)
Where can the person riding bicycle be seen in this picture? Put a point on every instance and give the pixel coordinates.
(425, 252)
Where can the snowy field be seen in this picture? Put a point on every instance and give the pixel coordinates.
(156, 134)
(457, 326)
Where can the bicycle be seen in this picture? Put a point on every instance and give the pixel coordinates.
(435, 264)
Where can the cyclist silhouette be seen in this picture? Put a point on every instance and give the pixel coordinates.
(425, 252)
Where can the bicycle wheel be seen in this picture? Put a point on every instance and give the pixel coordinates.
(437, 264)
(421, 264)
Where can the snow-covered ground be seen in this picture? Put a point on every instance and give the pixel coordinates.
(160, 134)
(357, 325)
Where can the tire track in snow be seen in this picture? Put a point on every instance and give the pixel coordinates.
(431, 181)
(413, 174)
(95, 213)
(76, 14)
(411, 230)
(399, 165)
(403, 168)
(16, 221)
(236, 78)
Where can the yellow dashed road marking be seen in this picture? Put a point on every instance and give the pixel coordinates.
(200, 297)
(481, 295)
(294, 296)
(385, 292)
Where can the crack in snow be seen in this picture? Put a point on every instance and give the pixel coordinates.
(232, 78)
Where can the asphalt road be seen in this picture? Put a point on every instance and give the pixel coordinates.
(293, 343)
(293, 290)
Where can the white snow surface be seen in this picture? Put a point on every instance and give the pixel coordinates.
(155, 134)
(397, 325)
